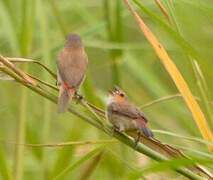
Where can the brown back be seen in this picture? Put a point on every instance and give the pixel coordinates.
(72, 65)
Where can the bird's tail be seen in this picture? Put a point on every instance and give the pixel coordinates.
(147, 131)
(65, 96)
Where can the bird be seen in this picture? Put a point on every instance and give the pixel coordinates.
(125, 116)
(72, 63)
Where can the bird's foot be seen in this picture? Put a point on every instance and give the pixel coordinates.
(79, 97)
(115, 128)
(137, 140)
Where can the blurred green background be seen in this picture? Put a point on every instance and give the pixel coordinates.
(118, 54)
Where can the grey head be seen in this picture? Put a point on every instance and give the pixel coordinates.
(73, 40)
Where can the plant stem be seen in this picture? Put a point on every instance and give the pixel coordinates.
(20, 131)
(114, 30)
(19, 154)
(58, 17)
(47, 104)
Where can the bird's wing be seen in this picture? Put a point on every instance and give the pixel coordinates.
(128, 110)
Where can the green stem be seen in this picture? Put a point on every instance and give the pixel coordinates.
(114, 30)
(20, 132)
(47, 104)
(91, 166)
(19, 153)
(28, 16)
(4, 169)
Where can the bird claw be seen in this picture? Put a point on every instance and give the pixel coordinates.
(137, 140)
(79, 97)
(115, 128)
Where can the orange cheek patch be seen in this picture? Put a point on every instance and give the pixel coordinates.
(119, 98)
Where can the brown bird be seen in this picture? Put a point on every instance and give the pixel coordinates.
(72, 64)
(125, 116)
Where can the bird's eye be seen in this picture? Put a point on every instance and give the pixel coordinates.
(122, 95)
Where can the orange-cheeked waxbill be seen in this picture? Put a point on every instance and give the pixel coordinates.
(72, 64)
(125, 116)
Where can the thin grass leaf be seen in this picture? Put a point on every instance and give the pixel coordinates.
(116, 45)
(44, 82)
(18, 71)
(177, 78)
(114, 30)
(163, 10)
(47, 115)
(160, 100)
(198, 4)
(204, 91)
(25, 41)
(19, 153)
(165, 99)
(80, 162)
(61, 144)
(184, 137)
(4, 77)
(33, 137)
(195, 152)
(10, 23)
(91, 166)
(58, 17)
(171, 164)
(4, 168)
(32, 61)
(64, 157)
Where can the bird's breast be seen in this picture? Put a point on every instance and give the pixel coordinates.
(123, 122)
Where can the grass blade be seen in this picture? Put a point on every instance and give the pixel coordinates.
(32, 61)
(57, 16)
(80, 161)
(4, 169)
(114, 30)
(171, 164)
(28, 17)
(47, 105)
(163, 10)
(91, 166)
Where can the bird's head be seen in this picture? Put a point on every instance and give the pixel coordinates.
(118, 95)
(73, 40)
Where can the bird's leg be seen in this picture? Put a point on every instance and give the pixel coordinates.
(59, 80)
(115, 128)
(138, 139)
(79, 97)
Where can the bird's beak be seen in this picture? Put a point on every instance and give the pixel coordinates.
(117, 88)
(111, 92)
